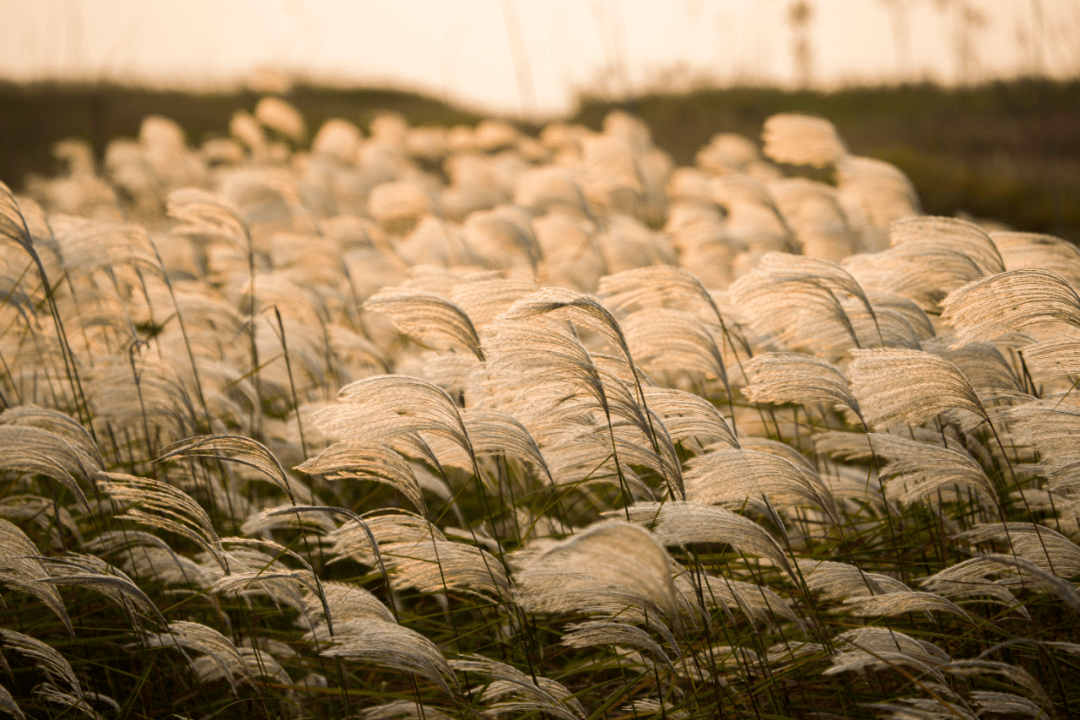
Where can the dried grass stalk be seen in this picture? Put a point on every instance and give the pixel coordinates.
(989, 308)
(362, 461)
(607, 568)
(20, 568)
(682, 523)
(802, 140)
(243, 450)
(427, 316)
(909, 386)
(540, 693)
(392, 646)
(797, 378)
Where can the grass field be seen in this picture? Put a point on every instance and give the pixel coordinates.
(309, 418)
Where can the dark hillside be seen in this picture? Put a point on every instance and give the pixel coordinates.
(1009, 151)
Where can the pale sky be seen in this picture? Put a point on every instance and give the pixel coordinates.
(464, 50)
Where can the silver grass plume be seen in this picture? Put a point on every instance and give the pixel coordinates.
(961, 236)
(608, 567)
(989, 308)
(497, 432)
(280, 116)
(567, 305)
(259, 662)
(45, 657)
(757, 603)
(970, 579)
(270, 518)
(797, 139)
(169, 509)
(813, 212)
(874, 647)
(28, 449)
(148, 556)
(898, 603)
(600, 632)
(738, 478)
(540, 693)
(1071, 648)
(20, 568)
(1032, 250)
(483, 297)
(389, 645)
(92, 572)
(663, 339)
(403, 709)
(733, 662)
(436, 566)
(633, 447)
(897, 386)
(846, 446)
(538, 353)
(87, 246)
(686, 415)
(386, 407)
(8, 704)
(346, 604)
(919, 471)
(246, 129)
(242, 450)
(916, 470)
(797, 378)
(500, 234)
(56, 668)
(363, 461)
(797, 308)
(1050, 426)
(53, 518)
(663, 286)
(1045, 547)
(281, 587)
(1013, 673)
(923, 273)
(540, 364)
(1053, 358)
(1012, 571)
(58, 424)
(585, 458)
(984, 366)
(362, 542)
(187, 635)
(1003, 703)
(932, 708)
(200, 211)
(816, 271)
(895, 308)
(427, 316)
(252, 566)
(682, 523)
(13, 225)
(791, 652)
(841, 581)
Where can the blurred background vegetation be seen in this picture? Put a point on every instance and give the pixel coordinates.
(1009, 151)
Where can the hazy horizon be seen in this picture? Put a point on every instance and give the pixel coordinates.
(522, 57)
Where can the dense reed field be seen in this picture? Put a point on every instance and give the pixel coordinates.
(422, 422)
